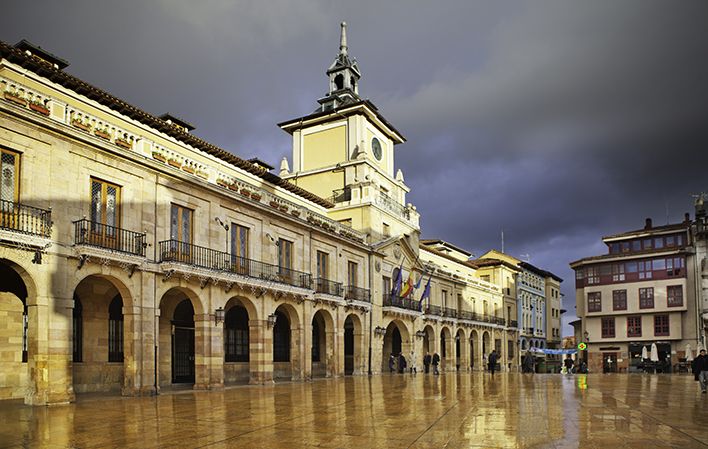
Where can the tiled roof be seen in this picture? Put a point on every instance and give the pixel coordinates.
(47, 70)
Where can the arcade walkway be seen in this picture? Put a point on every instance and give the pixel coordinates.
(470, 410)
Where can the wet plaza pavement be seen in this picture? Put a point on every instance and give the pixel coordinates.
(389, 411)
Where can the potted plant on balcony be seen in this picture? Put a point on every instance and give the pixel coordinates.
(274, 204)
(202, 173)
(222, 182)
(78, 123)
(102, 133)
(174, 161)
(16, 97)
(188, 167)
(245, 191)
(256, 196)
(295, 212)
(38, 105)
(283, 207)
(157, 155)
(233, 186)
(123, 142)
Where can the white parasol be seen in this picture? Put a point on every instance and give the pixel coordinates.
(689, 353)
(654, 353)
(645, 353)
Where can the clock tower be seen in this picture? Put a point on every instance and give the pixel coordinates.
(344, 151)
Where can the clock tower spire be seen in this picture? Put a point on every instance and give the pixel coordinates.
(343, 76)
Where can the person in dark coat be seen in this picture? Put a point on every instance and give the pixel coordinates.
(528, 363)
(492, 360)
(568, 362)
(391, 363)
(427, 359)
(402, 363)
(436, 362)
(700, 370)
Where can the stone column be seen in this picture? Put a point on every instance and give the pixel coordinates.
(300, 365)
(132, 320)
(216, 365)
(260, 352)
(335, 352)
(49, 352)
(202, 351)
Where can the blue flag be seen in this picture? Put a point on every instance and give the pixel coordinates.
(397, 283)
(426, 293)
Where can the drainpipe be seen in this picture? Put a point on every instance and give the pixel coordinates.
(155, 319)
(371, 312)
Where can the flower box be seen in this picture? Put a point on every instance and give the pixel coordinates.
(274, 204)
(189, 169)
(202, 174)
(81, 125)
(256, 196)
(124, 144)
(175, 163)
(159, 157)
(15, 99)
(283, 207)
(37, 107)
(245, 192)
(295, 212)
(222, 183)
(102, 134)
(233, 187)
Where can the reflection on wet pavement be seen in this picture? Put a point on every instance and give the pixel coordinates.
(389, 411)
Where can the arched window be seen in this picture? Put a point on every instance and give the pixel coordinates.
(339, 81)
(78, 330)
(115, 330)
(281, 338)
(236, 338)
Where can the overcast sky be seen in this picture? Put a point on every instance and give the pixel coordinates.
(558, 122)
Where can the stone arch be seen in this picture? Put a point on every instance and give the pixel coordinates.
(486, 344)
(460, 350)
(428, 340)
(322, 351)
(474, 349)
(447, 355)
(14, 329)
(238, 339)
(354, 343)
(103, 334)
(396, 339)
(287, 331)
(181, 342)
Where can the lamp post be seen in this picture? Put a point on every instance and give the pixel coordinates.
(218, 316)
(226, 228)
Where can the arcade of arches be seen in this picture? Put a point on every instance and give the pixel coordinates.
(108, 329)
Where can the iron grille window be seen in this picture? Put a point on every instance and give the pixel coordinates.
(9, 175)
(608, 327)
(619, 299)
(674, 296)
(634, 326)
(646, 298)
(594, 302)
(315, 341)
(661, 325)
(115, 330)
(281, 338)
(78, 330)
(236, 338)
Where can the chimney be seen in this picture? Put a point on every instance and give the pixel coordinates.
(686, 218)
(647, 224)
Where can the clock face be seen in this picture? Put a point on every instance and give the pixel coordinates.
(376, 148)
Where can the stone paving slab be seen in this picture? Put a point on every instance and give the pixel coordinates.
(390, 411)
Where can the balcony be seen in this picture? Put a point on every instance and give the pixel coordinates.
(432, 310)
(449, 312)
(111, 238)
(513, 323)
(352, 293)
(22, 219)
(392, 206)
(328, 287)
(200, 257)
(401, 303)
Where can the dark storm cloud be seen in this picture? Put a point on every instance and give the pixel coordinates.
(557, 122)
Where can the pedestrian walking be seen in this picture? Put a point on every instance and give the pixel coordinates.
(493, 361)
(401, 363)
(568, 364)
(391, 363)
(413, 368)
(427, 359)
(700, 370)
(528, 363)
(436, 361)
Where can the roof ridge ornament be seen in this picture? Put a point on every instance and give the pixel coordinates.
(343, 39)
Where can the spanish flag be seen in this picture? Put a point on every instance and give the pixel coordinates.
(408, 288)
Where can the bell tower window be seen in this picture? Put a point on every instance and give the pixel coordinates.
(339, 82)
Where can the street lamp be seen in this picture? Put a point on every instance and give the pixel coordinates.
(226, 228)
(586, 336)
(378, 330)
(420, 334)
(272, 318)
(218, 315)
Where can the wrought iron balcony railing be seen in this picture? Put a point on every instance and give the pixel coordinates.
(466, 315)
(401, 303)
(199, 256)
(357, 293)
(449, 312)
(99, 235)
(340, 195)
(513, 323)
(25, 219)
(432, 310)
(329, 287)
(392, 205)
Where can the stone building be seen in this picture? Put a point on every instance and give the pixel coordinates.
(642, 292)
(135, 256)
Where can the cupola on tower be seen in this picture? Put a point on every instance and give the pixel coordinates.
(344, 151)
